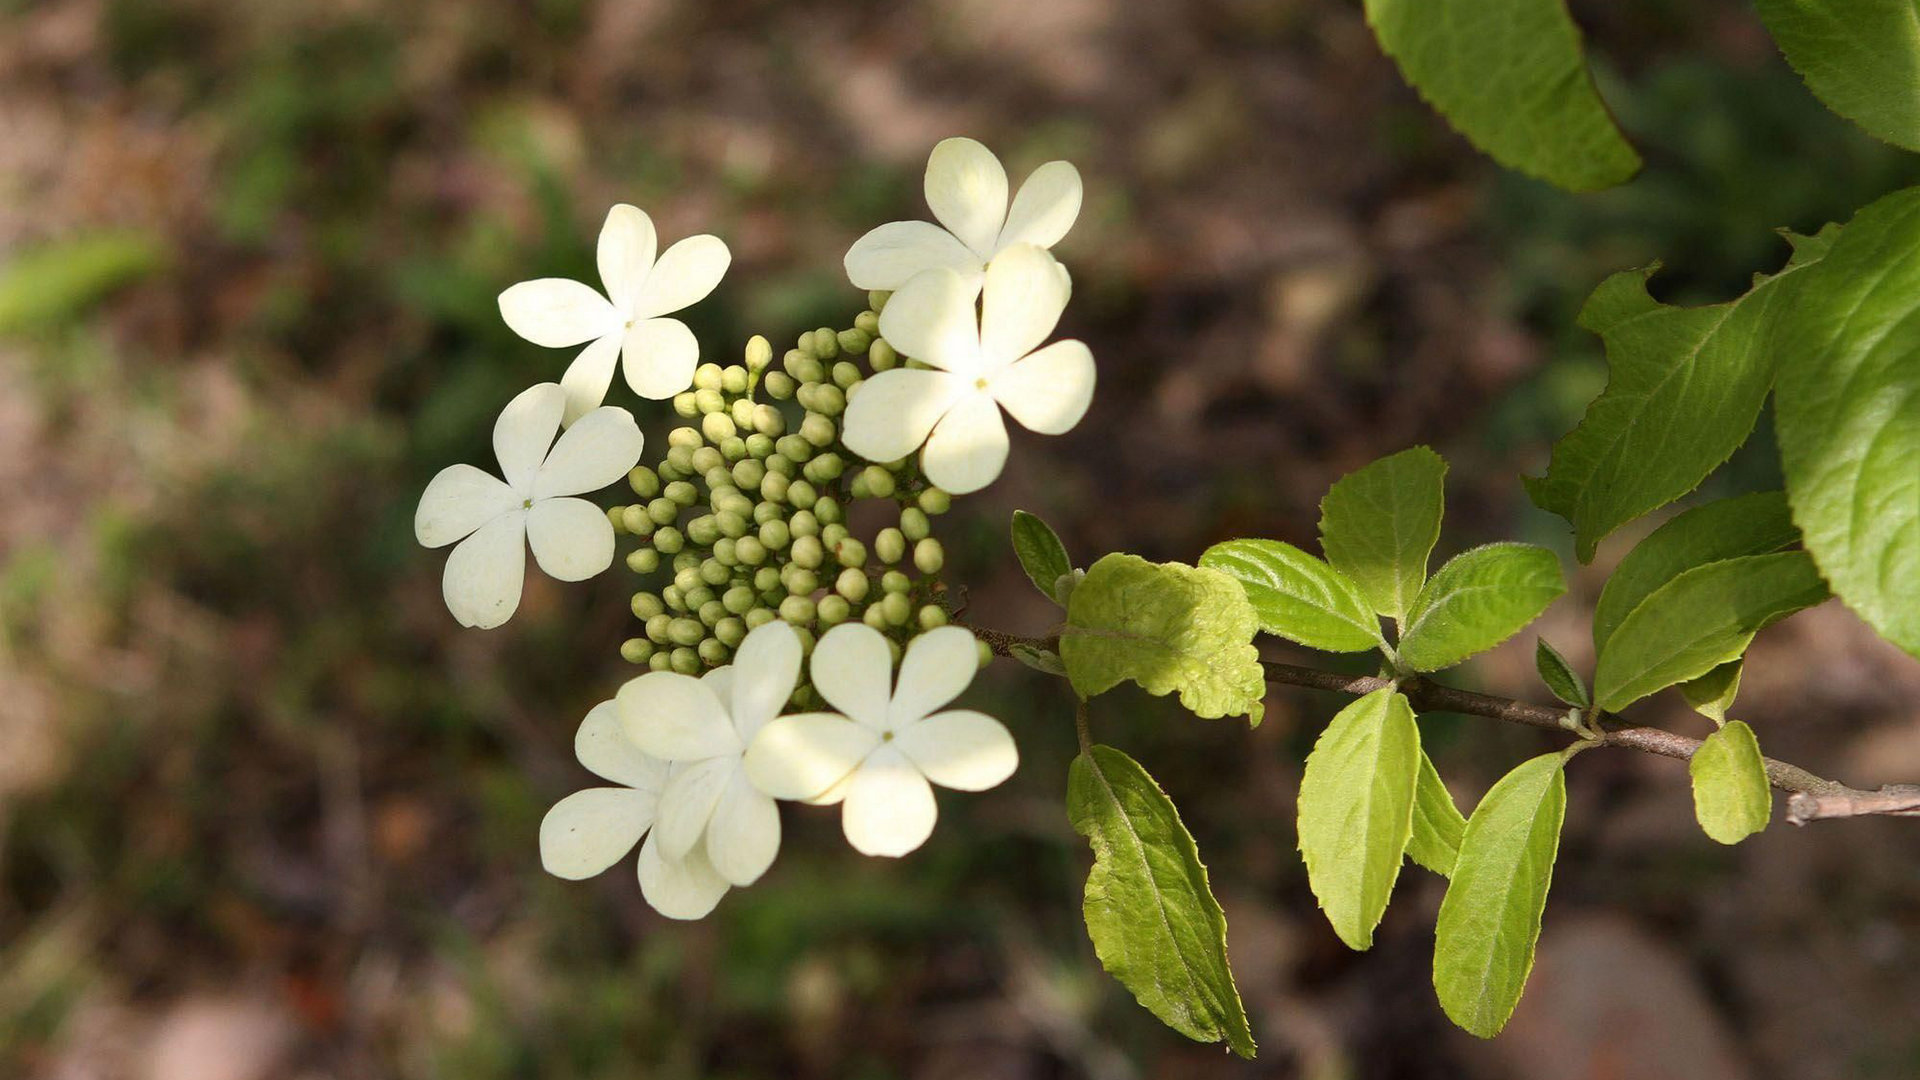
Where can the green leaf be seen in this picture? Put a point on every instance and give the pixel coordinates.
(1849, 415)
(1040, 552)
(1379, 523)
(1437, 824)
(1510, 76)
(1564, 682)
(1152, 917)
(1490, 919)
(1685, 385)
(1730, 794)
(1298, 597)
(45, 286)
(1356, 810)
(1043, 660)
(1727, 529)
(1712, 694)
(1858, 58)
(1701, 619)
(1167, 627)
(1479, 599)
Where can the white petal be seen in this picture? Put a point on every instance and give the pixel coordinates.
(524, 432)
(889, 256)
(587, 378)
(572, 539)
(938, 665)
(967, 190)
(744, 835)
(720, 681)
(557, 312)
(675, 717)
(931, 318)
(679, 888)
(896, 410)
(765, 669)
(1048, 391)
(602, 746)
(484, 574)
(1045, 206)
(659, 357)
(685, 274)
(969, 447)
(688, 801)
(1024, 295)
(590, 830)
(805, 755)
(835, 794)
(961, 749)
(595, 452)
(889, 808)
(458, 500)
(853, 669)
(627, 244)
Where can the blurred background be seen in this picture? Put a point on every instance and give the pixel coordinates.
(266, 811)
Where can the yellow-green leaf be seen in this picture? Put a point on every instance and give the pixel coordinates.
(1437, 822)
(1730, 793)
(1297, 596)
(1479, 599)
(1378, 525)
(1356, 810)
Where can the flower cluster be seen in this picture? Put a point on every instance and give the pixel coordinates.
(770, 628)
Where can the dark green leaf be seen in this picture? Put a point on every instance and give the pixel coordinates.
(1564, 682)
(1437, 824)
(1490, 919)
(1379, 523)
(1297, 596)
(1731, 798)
(1040, 552)
(1701, 619)
(1149, 909)
(1356, 811)
(1477, 600)
(1849, 413)
(1510, 76)
(1858, 57)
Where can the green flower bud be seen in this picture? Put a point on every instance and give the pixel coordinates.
(850, 552)
(759, 446)
(807, 551)
(854, 341)
(616, 518)
(634, 519)
(712, 612)
(868, 321)
(684, 436)
(878, 481)
(758, 618)
(741, 411)
(707, 377)
(935, 501)
(877, 299)
(774, 487)
(717, 426)
(657, 628)
(829, 512)
(913, 524)
(890, 546)
(797, 609)
(819, 430)
(705, 459)
(806, 522)
(687, 578)
(714, 571)
(751, 551)
(686, 661)
(714, 652)
(697, 596)
(828, 400)
(759, 353)
(766, 512)
(831, 535)
(852, 584)
(733, 524)
(805, 369)
(874, 617)
(644, 481)
(730, 631)
(738, 600)
(985, 653)
(894, 581)
(734, 379)
(733, 448)
(667, 539)
(800, 581)
(685, 631)
(780, 385)
(682, 493)
(801, 495)
(687, 560)
(661, 660)
(794, 448)
(767, 579)
(932, 616)
(774, 534)
(895, 608)
(709, 402)
(766, 420)
(646, 605)
(881, 357)
(845, 374)
(733, 502)
(636, 650)
(929, 556)
(685, 405)
(643, 560)
(674, 597)
(826, 343)
(703, 530)
(663, 510)
(832, 610)
(679, 463)
(825, 468)
(780, 463)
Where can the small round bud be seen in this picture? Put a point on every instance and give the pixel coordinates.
(935, 501)
(733, 448)
(686, 661)
(929, 556)
(687, 578)
(730, 631)
(674, 597)
(685, 631)
(780, 385)
(765, 512)
(687, 560)
(806, 522)
(852, 584)
(800, 581)
(832, 610)
(636, 650)
(750, 550)
(738, 600)
(663, 510)
(707, 376)
(733, 379)
(797, 609)
(801, 495)
(878, 480)
(766, 420)
(984, 652)
(679, 463)
(646, 605)
(741, 411)
(685, 405)
(828, 512)
(767, 579)
(850, 552)
(845, 374)
(659, 629)
(714, 572)
(894, 581)
(818, 430)
(774, 535)
(758, 618)
(854, 341)
(712, 612)
(733, 524)
(828, 400)
(805, 369)
(782, 464)
(684, 436)
(808, 552)
(718, 479)
(681, 493)
(913, 523)
(759, 446)
(831, 535)
(895, 608)
(697, 596)
(825, 468)
(704, 459)
(636, 519)
(643, 560)
(881, 357)
(774, 487)
(890, 546)
(793, 447)
(877, 299)
(708, 402)
(759, 353)
(717, 426)
(667, 539)
(874, 617)
(868, 321)
(703, 530)
(661, 660)
(932, 616)
(644, 481)
(826, 343)
(714, 652)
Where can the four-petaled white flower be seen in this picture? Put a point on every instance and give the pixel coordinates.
(880, 755)
(967, 191)
(590, 830)
(657, 354)
(704, 726)
(985, 364)
(571, 538)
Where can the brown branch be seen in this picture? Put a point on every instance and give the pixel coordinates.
(1812, 798)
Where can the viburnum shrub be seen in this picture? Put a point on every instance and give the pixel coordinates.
(790, 656)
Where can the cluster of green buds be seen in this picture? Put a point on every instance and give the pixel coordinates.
(747, 518)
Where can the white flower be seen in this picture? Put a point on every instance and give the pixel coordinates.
(880, 756)
(703, 726)
(985, 365)
(967, 190)
(657, 354)
(590, 830)
(571, 538)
